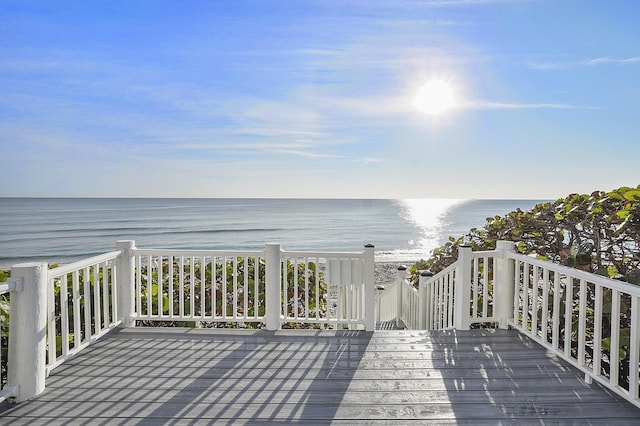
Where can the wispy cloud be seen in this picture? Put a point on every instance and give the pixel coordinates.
(433, 3)
(611, 60)
(508, 105)
(453, 3)
(548, 65)
(570, 63)
(314, 155)
(306, 154)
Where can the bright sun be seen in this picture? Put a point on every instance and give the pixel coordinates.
(434, 98)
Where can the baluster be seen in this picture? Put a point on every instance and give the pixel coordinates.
(76, 309)
(181, 286)
(105, 295)
(64, 314)
(234, 262)
(535, 293)
(545, 305)
(634, 348)
(556, 310)
(485, 288)
(170, 284)
(96, 298)
(223, 289)
(245, 291)
(214, 283)
(160, 285)
(582, 322)
(615, 338)
(567, 315)
(474, 288)
(597, 330)
(295, 287)
(87, 304)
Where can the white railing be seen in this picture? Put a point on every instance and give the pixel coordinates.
(323, 288)
(398, 301)
(26, 352)
(231, 287)
(6, 288)
(387, 302)
(438, 295)
(81, 305)
(188, 285)
(56, 313)
(464, 293)
(482, 286)
(591, 321)
(410, 305)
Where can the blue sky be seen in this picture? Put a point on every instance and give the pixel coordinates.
(302, 98)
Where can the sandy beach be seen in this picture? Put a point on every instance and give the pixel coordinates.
(387, 272)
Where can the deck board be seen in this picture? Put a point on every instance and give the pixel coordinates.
(190, 376)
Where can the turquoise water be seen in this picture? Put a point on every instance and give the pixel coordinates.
(59, 230)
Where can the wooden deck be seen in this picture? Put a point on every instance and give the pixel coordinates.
(190, 376)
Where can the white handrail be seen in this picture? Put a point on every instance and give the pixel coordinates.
(591, 321)
(11, 284)
(81, 264)
(579, 274)
(229, 286)
(409, 313)
(82, 294)
(198, 285)
(80, 302)
(196, 253)
(439, 298)
(324, 288)
(550, 306)
(386, 302)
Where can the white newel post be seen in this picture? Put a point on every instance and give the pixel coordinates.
(126, 277)
(503, 289)
(462, 303)
(28, 331)
(273, 284)
(402, 274)
(369, 288)
(425, 304)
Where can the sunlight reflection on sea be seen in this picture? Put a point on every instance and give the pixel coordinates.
(430, 219)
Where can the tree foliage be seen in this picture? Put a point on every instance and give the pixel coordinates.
(597, 232)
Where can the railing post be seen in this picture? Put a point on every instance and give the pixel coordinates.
(425, 304)
(369, 288)
(125, 267)
(28, 331)
(273, 277)
(402, 274)
(463, 288)
(503, 288)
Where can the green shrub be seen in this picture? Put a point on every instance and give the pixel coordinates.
(598, 233)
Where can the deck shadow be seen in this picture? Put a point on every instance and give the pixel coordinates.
(190, 376)
(498, 376)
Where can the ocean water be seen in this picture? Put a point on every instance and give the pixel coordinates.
(60, 230)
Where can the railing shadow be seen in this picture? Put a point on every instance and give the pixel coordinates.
(194, 376)
(503, 376)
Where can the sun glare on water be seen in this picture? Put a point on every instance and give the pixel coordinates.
(428, 215)
(434, 98)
